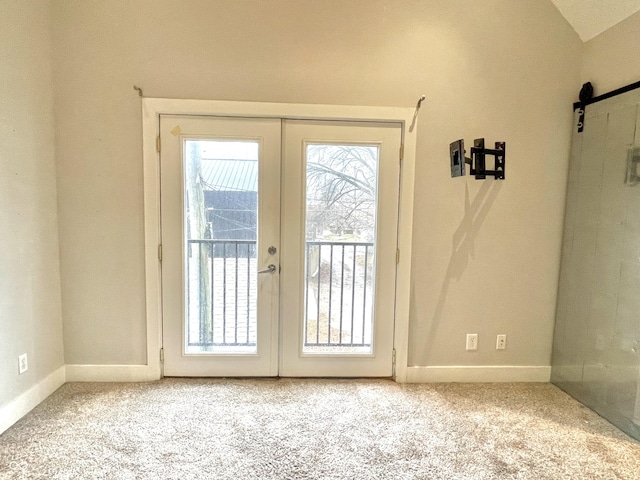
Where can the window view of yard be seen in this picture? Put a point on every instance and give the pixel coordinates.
(221, 198)
(340, 235)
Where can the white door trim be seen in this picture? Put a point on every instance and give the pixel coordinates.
(151, 110)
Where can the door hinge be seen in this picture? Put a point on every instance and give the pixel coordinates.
(158, 143)
(401, 152)
(160, 252)
(393, 357)
(397, 256)
(162, 355)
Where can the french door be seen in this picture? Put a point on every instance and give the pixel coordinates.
(278, 246)
(220, 213)
(339, 213)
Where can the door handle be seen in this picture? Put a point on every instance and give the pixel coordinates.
(270, 269)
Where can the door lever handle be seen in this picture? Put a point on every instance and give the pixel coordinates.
(270, 269)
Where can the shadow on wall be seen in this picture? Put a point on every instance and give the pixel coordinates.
(462, 249)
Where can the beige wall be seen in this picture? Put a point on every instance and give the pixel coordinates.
(611, 59)
(30, 318)
(486, 253)
(99, 171)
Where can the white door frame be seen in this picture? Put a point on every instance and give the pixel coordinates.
(152, 108)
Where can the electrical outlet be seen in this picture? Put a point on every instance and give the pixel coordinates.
(501, 342)
(472, 341)
(23, 365)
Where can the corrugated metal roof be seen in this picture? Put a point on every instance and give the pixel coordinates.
(230, 175)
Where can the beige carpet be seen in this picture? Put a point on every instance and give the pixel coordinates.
(314, 429)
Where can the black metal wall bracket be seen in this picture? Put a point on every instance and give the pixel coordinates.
(477, 162)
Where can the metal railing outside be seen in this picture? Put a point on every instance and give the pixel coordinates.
(339, 294)
(221, 294)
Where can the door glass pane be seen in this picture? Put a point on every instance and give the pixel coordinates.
(220, 225)
(341, 198)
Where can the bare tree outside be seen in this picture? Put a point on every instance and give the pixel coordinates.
(341, 191)
(340, 253)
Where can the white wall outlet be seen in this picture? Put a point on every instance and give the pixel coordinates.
(501, 342)
(23, 365)
(472, 341)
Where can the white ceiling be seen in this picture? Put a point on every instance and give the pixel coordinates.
(592, 17)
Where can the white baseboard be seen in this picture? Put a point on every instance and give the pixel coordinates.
(112, 373)
(485, 374)
(23, 404)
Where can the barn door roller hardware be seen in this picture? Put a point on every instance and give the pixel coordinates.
(477, 161)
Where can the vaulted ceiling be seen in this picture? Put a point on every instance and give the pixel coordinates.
(590, 18)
